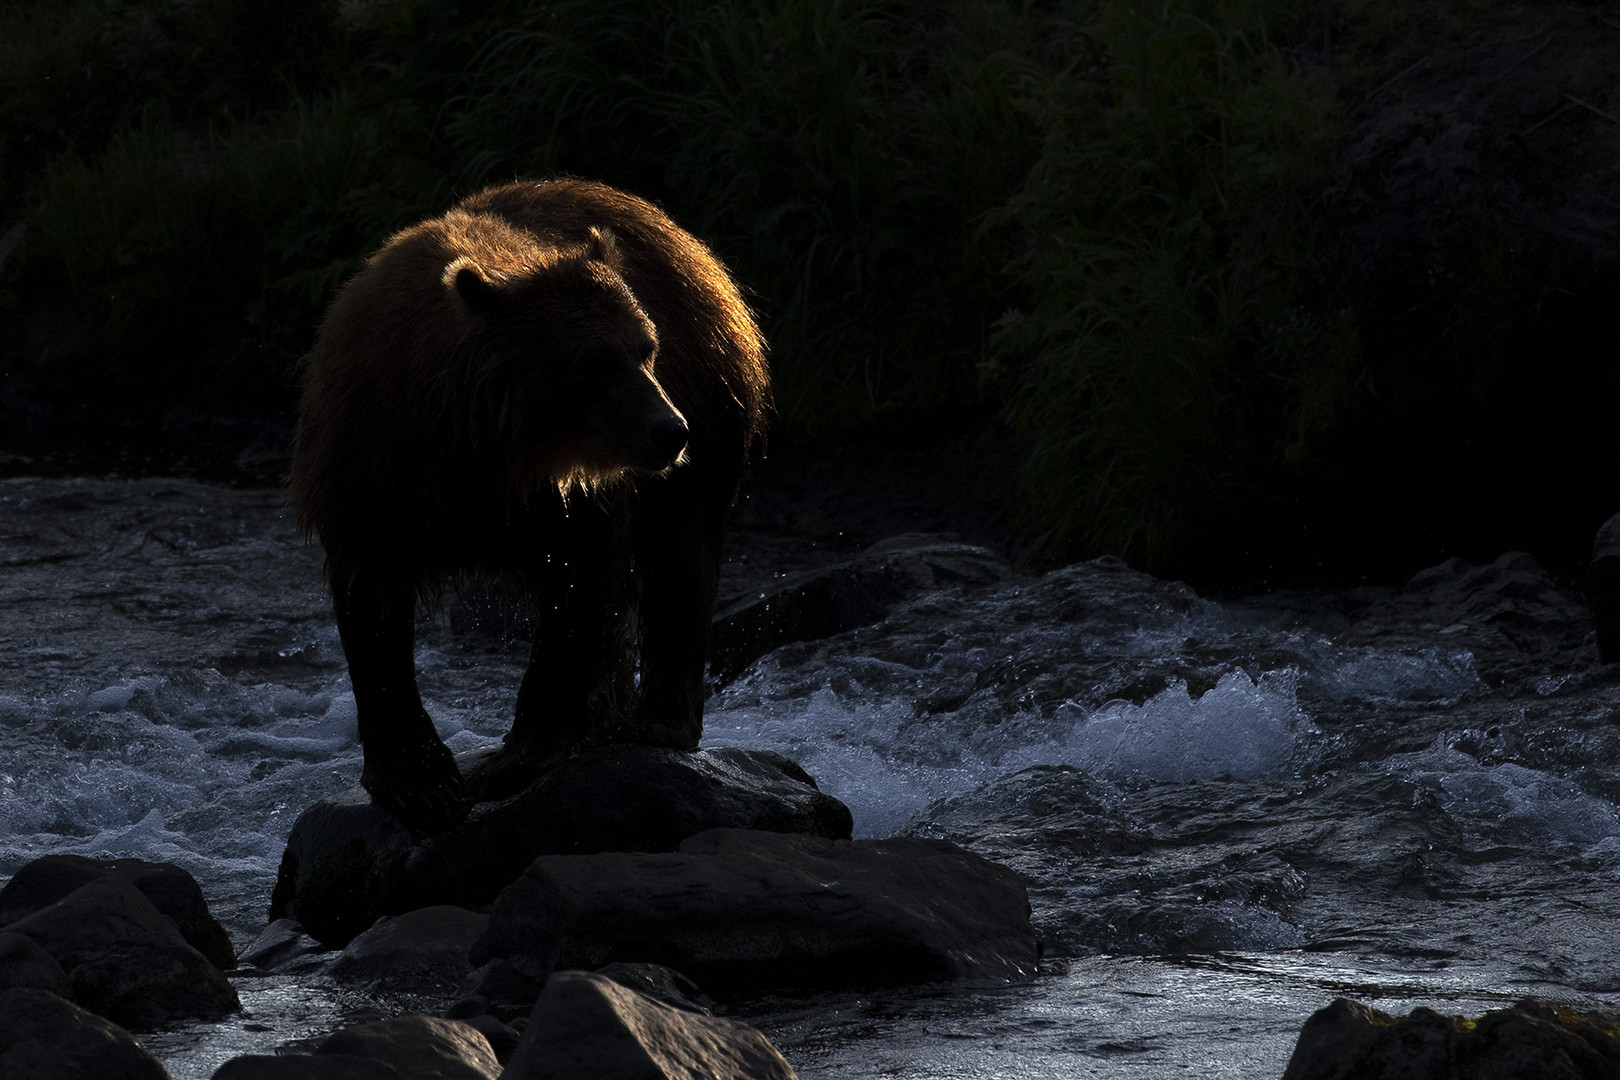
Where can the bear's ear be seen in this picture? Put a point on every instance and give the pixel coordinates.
(476, 291)
(603, 247)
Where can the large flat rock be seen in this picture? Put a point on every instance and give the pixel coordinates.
(43, 1037)
(589, 1027)
(1532, 1040)
(124, 959)
(348, 863)
(740, 910)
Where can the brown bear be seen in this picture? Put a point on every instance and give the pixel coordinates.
(552, 384)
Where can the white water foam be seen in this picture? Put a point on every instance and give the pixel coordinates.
(1512, 802)
(1436, 676)
(1241, 728)
(889, 764)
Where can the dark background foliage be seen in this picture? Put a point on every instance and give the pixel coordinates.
(1238, 289)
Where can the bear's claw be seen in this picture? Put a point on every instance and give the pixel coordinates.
(509, 770)
(424, 790)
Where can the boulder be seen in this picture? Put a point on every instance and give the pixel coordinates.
(830, 600)
(43, 1037)
(282, 948)
(1603, 589)
(1533, 1040)
(124, 959)
(588, 1027)
(306, 1067)
(419, 1047)
(502, 1039)
(745, 910)
(423, 951)
(348, 863)
(659, 983)
(1513, 596)
(171, 890)
(404, 1048)
(25, 964)
(497, 988)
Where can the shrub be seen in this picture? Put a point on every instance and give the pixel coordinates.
(1157, 364)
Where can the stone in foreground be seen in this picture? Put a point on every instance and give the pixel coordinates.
(423, 951)
(170, 889)
(834, 599)
(404, 1048)
(43, 1037)
(25, 964)
(741, 910)
(423, 1046)
(1533, 1040)
(124, 959)
(588, 1027)
(348, 863)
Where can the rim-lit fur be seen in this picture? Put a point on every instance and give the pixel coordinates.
(487, 357)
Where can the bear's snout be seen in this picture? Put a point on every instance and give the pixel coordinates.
(669, 440)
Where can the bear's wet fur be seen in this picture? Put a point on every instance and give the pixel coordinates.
(555, 385)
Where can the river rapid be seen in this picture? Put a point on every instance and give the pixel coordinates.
(1228, 812)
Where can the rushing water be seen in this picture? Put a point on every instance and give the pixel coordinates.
(1228, 813)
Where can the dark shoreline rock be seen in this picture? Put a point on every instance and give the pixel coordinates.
(124, 959)
(422, 951)
(591, 1027)
(861, 591)
(348, 863)
(171, 890)
(740, 910)
(43, 1037)
(1532, 1040)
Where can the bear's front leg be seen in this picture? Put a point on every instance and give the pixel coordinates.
(408, 770)
(580, 682)
(678, 548)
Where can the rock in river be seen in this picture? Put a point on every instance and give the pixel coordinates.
(587, 1026)
(1533, 1040)
(124, 959)
(348, 863)
(737, 909)
(43, 1037)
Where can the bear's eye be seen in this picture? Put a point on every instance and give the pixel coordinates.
(647, 350)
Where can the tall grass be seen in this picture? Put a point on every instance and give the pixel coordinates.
(209, 258)
(1091, 214)
(837, 153)
(1166, 236)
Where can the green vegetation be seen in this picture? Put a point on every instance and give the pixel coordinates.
(1090, 215)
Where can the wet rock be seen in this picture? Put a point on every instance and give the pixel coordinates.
(419, 1046)
(833, 599)
(404, 1048)
(659, 983)
(502, 1039)
(43, 1037)
(171, 890)
(124, 959)
(1512, 595)
(745, 910)
(498, 988)
(348, 863)
(24, 964)
(589, 1027)
(283, 948)
(422, 951)
(1603, 589)
(307, 1067)
(1533, 1040)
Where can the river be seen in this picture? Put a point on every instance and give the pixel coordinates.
(1228, 811)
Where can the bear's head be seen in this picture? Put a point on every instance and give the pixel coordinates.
(563, 359)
